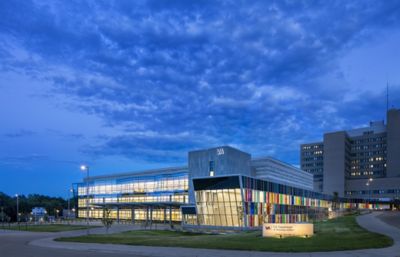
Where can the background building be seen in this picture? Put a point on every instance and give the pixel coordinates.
(360, 163)
(273, 170)
(38, 214)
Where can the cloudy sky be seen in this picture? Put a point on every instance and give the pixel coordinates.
(131, 85)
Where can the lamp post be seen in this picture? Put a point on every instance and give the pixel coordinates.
(69, 203)
(369, 190)
(17, 196)
(86, 168)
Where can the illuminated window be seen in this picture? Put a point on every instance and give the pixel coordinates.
(211, 169)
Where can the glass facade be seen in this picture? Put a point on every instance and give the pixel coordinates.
(219, 201)
(269, 202)
(240, 201)
(136, 192)
(189, 216)
(220, 207)
(234, 201)
(141, 214)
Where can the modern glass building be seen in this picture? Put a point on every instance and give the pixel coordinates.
(221, 187)
(241, 201)
(154, 195)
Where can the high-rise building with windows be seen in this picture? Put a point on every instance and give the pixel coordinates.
(312, 161)
(361, 163)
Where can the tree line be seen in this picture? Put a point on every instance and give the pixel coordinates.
(8, 205)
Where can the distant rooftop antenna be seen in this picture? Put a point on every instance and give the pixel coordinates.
(387, 96)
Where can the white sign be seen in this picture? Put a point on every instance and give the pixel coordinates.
(285, 230)
(220, 151)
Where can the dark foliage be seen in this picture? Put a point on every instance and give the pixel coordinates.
(9, 204)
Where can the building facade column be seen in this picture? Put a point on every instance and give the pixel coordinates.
(151, 215)
(117, 210)
(104, 207)
(147, 215)
(170, 215)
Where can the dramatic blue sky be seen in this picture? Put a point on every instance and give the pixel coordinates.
(129, 85)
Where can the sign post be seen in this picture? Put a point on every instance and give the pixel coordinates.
(290, 229)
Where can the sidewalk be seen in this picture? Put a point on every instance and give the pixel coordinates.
(370, 222)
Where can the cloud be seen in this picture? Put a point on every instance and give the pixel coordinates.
(170, 76)
(22, 161)
(19, 134)
(151, 146)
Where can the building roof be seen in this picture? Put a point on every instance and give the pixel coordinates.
(276, 161)
(164, 171)
(374, 126)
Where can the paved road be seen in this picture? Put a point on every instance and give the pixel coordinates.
(391, 218)
(17, 244)
(25, 244)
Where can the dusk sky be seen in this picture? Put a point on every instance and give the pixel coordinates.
(131, 85)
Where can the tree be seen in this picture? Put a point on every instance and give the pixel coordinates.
(107, 220)
(396, 204)
(27, 203)
(335, 201)
(3, 216)
(240, 214)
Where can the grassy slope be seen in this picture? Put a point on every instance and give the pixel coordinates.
(339, 234)
(45, 228)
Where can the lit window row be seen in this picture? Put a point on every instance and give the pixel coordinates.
(140, 214)
(182, 198)
(136, 187)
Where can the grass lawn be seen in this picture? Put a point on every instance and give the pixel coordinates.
(340, 234)
(45, 227)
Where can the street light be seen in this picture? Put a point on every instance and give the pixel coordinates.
(369, 182)
(86, 168)
(369, 192)
(69, 204)
(17, 196)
